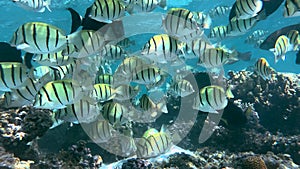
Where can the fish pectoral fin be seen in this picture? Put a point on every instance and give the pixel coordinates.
(23, 46)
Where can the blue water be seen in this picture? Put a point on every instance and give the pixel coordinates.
(12, 16)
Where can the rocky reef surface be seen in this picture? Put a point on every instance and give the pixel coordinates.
(259, 129)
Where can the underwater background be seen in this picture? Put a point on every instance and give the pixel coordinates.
(259, 127)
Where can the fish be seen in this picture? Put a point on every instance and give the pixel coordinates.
(114, 112)
(269, 7)
(13, 75)
(246, 9)
(198, 47)
(181, 87)
(25, 94)
(147, 104)
(126, 92)
(162, 49)
(103, 92)
(113, 52)
(105, 78)
(218, 32)
(238, 27)
(81, 111)
(125, 43)
(52, 59)
(256, 36)
(34, 5)
(294, 38)
(65, 71)
(153, 143)
(263, 68)
(291, 8)
(218, 56)
(219, 11)
(40, 38)
(144, 5)
(180, 22)
(282, 46)
(203, 20)
(58, 94)
(148, 75)
(212, 98)
(107, 10)
(100, 131)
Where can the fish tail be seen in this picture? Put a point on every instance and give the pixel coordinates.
(47, 4)
(163, 4)
(76, 20)
(298, 58)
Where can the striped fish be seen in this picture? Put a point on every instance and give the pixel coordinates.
(12, 75)
(148, 75)
(125, 43)
(105, 78)
(148, 5)
(34, 5)
(181, 87)
(107, 10)
(219, 11)
(100, 131)
(294, 38)
(153, 143)
(86, 43)
(114, 112)
(238, 27)
(58, 94)
(103, 92)
(218, 32)
(82, 111)
(126, 92)
(198, 47)
(113, 52)
(263, 68)
(291, 8)
(282, 46)
(246, 9)
(52, 59)
(39, 38)
(203, 20)
(215, 57)
(211, 99)
(66, 71)
(256, 36)
(25, 94)
(162, 49)
(180, 22)
(41, 71)
(149, 106)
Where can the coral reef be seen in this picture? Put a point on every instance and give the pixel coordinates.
(136, 164)
(19, 128)
(77, 156)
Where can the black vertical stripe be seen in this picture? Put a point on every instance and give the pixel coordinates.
(56, 93)
(207, 96)
(34, 34)
(13, 74)
(66, 91)
(24, 34)
(3, 76)
(57, 37)
(47, 37)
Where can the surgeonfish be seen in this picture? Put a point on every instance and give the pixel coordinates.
(162, 49)
(81, 111)
(203, 20)
(40, 38)
(103, 92)
(99, 131)
(24, 95)
(181, 87)
(294, 38)
(126, 92)
(212, 98)
(113, 52)
(114, 112)
(291, 8)
(153, 143)
(107, 10)
(238, 27)
(180, 22)
(105, 78)
(58, 94)
(52, 59)
(218, 32)
(34, 5)
(246, 9)
(282, 46)
(219, 11)
(13, 75)
(263, 68)
(256, 36)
